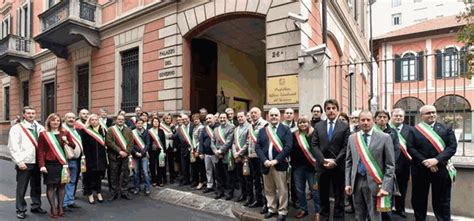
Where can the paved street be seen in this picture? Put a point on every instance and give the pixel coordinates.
(138, 209)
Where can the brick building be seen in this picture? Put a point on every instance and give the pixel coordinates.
(174, 56)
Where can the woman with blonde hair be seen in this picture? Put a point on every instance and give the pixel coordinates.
(93, 141)
(53, 162)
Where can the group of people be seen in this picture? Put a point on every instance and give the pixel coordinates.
(365, 159)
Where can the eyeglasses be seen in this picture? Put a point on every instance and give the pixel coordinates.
(273, 115)
(429, 113)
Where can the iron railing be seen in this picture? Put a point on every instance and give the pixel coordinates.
(442, 78)
(68, 9)
(15, 44)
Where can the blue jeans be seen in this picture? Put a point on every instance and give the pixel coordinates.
(303, 175)
(141, 163)
(69, 189)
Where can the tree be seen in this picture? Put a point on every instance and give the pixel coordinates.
(466, 36)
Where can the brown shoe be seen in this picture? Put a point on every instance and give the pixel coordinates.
(316, 217)
(301, 214)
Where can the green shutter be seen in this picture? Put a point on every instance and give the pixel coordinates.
(421, 66)
(439, 64)
(398, 69)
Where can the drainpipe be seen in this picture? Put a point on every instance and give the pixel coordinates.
(325, 24)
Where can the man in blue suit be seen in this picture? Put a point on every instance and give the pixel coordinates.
(274, 144)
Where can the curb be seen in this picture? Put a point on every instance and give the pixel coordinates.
(243, 214)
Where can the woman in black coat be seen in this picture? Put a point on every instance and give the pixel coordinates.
(93, 141)
(158, 172)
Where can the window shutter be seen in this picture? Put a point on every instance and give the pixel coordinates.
(439, 64)
(398, 69)
(18, 23)
(463, 61)
(421, 66)
(29, 20)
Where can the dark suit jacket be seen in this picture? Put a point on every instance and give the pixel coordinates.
(263, 142)
(422, 149)
(94, 152)
(146, 138)
(161, 135)
(396, 142)
(113, 146)
(335, 148)
(402, 160)
(205, 141)
(182, 144)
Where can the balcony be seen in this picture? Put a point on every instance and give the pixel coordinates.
(15, 52)
(66, 23)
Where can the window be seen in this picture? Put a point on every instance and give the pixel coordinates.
(450, 60)
(397, 19)
(411, 105)
(24, 20)
(408, 67)
(129, 79)
(49, 105)
(25, 87)
(455, 111)
(6, 102)
(396, 3)
(82, 87)
(6, 26)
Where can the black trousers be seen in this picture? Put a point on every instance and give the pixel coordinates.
(255, 185)
(222, 177)
(154, 165)
(332, 178)
(92, 182)
(244, 181)
(198, 171)
(171, 158)
(403, 175)
(185, 166)
(119, 175)
(31, 176)
(440, 183)
(293, 195)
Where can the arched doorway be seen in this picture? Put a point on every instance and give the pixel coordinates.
(455, 111)
(227, 63)
(411, 106)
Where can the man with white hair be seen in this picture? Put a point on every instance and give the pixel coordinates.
(403, 163)
(274, 144)
(354, 123)
(433, 146)
(74, 163)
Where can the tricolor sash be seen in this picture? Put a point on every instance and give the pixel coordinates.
(31, 136)
(403, 142)
(119, 137)
(166, 128)
(273, 137)
(438, 144)
(154, 135)
(138, 139)
(304, 146)
(185, 135)
(383, 203)
(238, 145)
(209, 132)
(377, 128)
(97, 136)
(253, 135)
(55, 146)
(75, 136)
(79, 124)
(220, 135)
(103, 123)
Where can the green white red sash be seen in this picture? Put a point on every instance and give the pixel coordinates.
(31, 136)
(55, 147)
(75, 136)
(103, 123)
(438, 144)
(79, 124)
(154, 135)
(304, 146)
(383, 203)
(185, 134)
(119, 137)
(138, 139)
(97, 136)
(273, 137)
(238, 145)
(220, 135)
(166, 128)
(209, 132)
(253, 135)
(377, 128)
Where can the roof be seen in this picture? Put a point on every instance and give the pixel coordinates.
(426, 26)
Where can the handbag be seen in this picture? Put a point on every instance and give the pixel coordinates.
(71, 153)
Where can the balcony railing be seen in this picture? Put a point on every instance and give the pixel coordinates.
(69, 9)
(15, 44)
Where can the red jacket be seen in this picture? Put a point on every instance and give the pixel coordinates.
(45, 152)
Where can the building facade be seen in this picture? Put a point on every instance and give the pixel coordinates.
(177, 56)
(404, 13)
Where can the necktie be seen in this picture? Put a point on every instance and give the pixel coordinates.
(331, 130)
(361, 169)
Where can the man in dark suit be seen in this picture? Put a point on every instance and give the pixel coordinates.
(183, 137)
(433, 146)
(317, 111)
(105, 121)
(274, 144)
(328, 145)
(232, 118)
(403, 162)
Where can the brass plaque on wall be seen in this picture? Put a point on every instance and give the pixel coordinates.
(282, 90)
